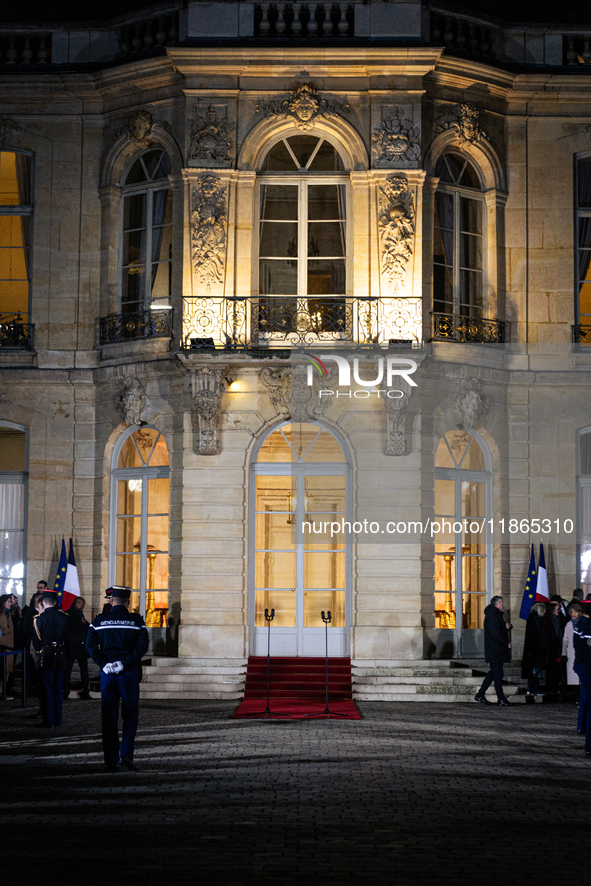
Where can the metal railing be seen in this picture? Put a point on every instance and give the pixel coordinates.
(16, 333)
(247, 323)
(130, 327)
(293, 19)
(581, 334)
(481, 330)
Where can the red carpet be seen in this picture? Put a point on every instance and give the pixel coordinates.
(295, 710)
(298, 688)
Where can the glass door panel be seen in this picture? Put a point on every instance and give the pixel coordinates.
(284, 604)
(316, 602)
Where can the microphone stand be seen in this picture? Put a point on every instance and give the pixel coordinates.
(269, 616)
(327, 618)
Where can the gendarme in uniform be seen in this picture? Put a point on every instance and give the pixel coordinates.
(51, 629)
(117, 641)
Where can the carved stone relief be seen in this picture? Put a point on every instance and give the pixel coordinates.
(211, 139)
(298, 400)
(9, 131)
(304, 106)
(140, 126)
(395, 420)
(471, 404)
(396, 141)
(208, 229)
(465, 126)
(206, 394)
(133, 401)
(397, 228)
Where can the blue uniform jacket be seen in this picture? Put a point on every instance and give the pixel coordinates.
(581, 638)
(119, 635)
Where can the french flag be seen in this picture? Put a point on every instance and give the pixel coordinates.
(542, 594)
(71, 584)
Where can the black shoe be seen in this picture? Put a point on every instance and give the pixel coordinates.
(111, 767)
(482, 699)
(84, 696)
(504, 702)
(127, 765)
(588, 753)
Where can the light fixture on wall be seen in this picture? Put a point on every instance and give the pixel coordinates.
(293, 504)
(134, 485)
(230, 381)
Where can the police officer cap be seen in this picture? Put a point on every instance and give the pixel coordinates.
(119, 591)
(50, 596)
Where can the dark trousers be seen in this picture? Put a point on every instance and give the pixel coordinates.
(584, 719)
(53, 690)
(495, 674)
(126, 687)
(83, 662)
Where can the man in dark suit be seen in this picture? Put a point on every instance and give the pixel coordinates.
(51, 630)
(497, 650)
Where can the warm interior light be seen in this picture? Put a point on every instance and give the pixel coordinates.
(134, 485)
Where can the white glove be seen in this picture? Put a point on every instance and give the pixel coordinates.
(113, 667)
(108, 668)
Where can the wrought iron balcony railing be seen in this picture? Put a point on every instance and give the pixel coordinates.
(16, 332)
(581, 335)
(130, 327)
(276, 322)
(454, 327)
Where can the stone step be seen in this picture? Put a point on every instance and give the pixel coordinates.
(188, 694)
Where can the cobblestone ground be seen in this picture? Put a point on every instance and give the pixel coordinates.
(411, 794)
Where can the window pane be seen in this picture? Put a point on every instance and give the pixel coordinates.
(158, 457)
(273, 532)
(128, 533)
(316, 602)
(585, 302)
(473, 606)
(443, 298)
(128, 570)
(326, 448)
(585, 466)
(471, 293)
(323, 569)
(129, 496)
(443, 247)
(279, 202)
(145, 440)
(12, 511)
(158, 496)
(155, 164)
(444, 211)
(273, 493)
(279, 239)
(303, 147)
(326, 202)
(157, 538)
(278, 277)
(13, 445)
(473, 498)
(275, 570)
(327, 159)
(326, 277)
(275, 448)
(134, 212)
(14, 263)
(15, 179)
(129, 456)
(284, 604)
(445, 502)
(471, 251)
(326, 238)
(584, 182)
(474, 574)
(279, 159)
(470, 216)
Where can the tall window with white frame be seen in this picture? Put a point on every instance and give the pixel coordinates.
(146, 234)
(140, 495)
(583, 250)
(463, 542)
(16, 217)
(13, 499)
(459, 239)
(302, 274)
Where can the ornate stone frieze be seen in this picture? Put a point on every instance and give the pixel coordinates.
(396, 141)
(471, 404)
(206, 393)
(395, 421)
(397, 229)
(9, 131)
(133, 401)
(140, 126)
(465, 126)
(208, 229)
(211, 139)
(304, 106)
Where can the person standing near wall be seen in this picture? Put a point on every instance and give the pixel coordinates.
(497, 650)
(49, 639)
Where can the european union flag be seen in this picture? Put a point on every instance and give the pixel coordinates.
(60, 578)
(529, 594)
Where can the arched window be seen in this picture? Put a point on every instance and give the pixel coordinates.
(300, 480)
(463, 509)
(140, 494)
(13, 499)
(16, 217)
(583, 250)
(459, 247)
(146, 233)
(302, 272)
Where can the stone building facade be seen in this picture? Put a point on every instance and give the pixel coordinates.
(200, 199)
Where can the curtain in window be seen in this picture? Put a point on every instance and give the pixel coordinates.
(584, 199)
(11, 530)
(159, 212)
(23, 181)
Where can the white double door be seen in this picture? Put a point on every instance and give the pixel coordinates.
(296, 570)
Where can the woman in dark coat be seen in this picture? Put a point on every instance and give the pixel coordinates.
(76, 647)
(535, 649)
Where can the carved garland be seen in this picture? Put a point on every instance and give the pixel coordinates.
(397, 228)
(208, 229)
(206, 393)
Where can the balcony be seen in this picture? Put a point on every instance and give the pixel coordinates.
(16, 333)
(291, 322)
(480, 330)
(293, 19)
(139, 325)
